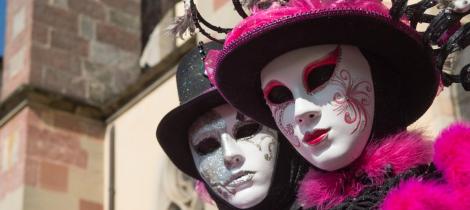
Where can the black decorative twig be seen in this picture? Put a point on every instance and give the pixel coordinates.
(239, 8)
(205, 22)
(415, 12)
(398, 9)
(458, 41)
(465, 77)
(196, 20)
(441, 23)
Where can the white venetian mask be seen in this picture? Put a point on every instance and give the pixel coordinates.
(234, 155)
(322, 99)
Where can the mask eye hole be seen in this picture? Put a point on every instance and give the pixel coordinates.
(277, 93)
(207, 145)
(247, 130)
(318, 76)
(317, 73)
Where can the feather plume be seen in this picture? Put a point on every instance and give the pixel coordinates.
(252, 3)
(183, 23)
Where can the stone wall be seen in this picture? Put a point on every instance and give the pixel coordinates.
(54, 158)
(12, 162)
(18, 42)
(82, 51)
(87, 49)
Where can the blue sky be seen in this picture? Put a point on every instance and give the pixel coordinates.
(2, 26)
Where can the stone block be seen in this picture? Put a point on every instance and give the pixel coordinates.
(61, 81)
(61, 147)
(129, 6)
(9, 150)
(58, 18)
(41, 34)
(87, 205)
(87, 28)
(19, 22)
(88, 183)
(14, 5)
(87, 128)
(91, 8)
(124, 20)
(32, 171)
(54, 176)
(98, 91)
(112, 56)
(38, 199)
(119, 37)
(57, 59)
(69, 42)
(12, 156)
(64, 4)
(17, 62)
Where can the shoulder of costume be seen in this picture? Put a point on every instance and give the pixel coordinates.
(451, 158)
(382, 164)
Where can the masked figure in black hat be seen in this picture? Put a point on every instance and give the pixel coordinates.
(242, 163)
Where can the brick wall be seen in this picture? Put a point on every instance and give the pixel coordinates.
(82, 49)
(56, 157)
(87, 49)
(12, 154)
(64, 161)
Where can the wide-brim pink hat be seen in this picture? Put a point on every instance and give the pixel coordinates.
(404, 75)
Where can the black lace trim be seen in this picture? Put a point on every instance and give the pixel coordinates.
(371, 197)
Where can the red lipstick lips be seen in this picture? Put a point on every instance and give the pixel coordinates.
(316, 136)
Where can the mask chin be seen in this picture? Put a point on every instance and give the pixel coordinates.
(289, 169)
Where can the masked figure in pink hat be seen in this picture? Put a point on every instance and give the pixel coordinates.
(342, 80)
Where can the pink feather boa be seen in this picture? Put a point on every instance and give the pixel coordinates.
(400, 152)
(452, 155)
(202, 192)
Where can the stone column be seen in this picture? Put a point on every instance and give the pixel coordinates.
(63, 60)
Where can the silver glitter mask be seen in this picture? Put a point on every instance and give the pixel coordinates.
(233, 166)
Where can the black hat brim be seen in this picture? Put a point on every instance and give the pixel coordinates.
(396, 46)
(172, 132)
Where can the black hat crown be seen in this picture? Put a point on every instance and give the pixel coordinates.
(191, 80)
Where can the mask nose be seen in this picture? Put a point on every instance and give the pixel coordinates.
(233, 156)
(306, 112)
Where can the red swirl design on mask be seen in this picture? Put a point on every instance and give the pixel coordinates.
(287, 129)
(352, 99)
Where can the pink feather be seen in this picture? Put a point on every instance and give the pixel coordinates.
(451, 158)
(453, 154)
(401, 151)
(416, 195)
(202, 192)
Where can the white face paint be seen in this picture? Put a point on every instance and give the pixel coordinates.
(322, 99)
(234, 155)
